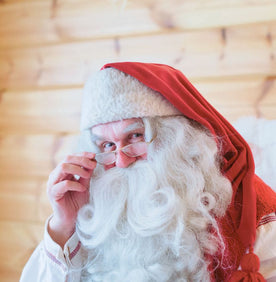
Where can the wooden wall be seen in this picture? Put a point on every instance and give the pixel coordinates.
(47, 48)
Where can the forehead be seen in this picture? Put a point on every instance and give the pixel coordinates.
(116, 128)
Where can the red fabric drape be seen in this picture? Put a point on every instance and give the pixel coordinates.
(238, 165)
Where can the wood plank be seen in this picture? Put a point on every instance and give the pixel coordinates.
(237, 98)
(232, 114)
(41, 22)
(24, 199)
(33, 155)
(57, 111)
(17, 240)
(41, 111)
(238, 92)
(209, 14)
(246, 51)
(44, 22)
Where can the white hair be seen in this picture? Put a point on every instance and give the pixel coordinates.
(155, 220)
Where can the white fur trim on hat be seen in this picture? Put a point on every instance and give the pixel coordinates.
(111, 95)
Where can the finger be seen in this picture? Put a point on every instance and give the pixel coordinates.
(57, 175)
(85, 181)
(88, 155)
(86, 161)
(65, 171)
(80, 159)
(68, 168)
(59, 190)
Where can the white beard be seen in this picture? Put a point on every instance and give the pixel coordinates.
(151, 222)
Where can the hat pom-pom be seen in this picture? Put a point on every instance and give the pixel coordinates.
(250, 265)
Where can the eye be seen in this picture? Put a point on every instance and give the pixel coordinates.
(136, 137)
(108, 146)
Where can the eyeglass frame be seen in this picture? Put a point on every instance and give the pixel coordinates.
(121, 149)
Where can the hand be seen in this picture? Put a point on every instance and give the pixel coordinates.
(67, 194)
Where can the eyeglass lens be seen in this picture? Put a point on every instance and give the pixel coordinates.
(132, 150)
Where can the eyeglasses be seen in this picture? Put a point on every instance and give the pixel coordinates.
(131, 150)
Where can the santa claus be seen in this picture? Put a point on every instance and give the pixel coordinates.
(163, 190)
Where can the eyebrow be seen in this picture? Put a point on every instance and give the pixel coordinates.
(134, 126)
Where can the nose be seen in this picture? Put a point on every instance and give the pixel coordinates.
(123, 161)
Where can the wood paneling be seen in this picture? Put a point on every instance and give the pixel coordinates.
(245, 51)
(24, 199)
(33, 155)
(47, 50)
(40, 111)
(44, 21)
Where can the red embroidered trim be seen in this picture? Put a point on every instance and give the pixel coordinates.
(71, 255)
(266, 219)
(55, 260)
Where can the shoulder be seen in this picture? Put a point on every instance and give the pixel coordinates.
(265, 200)
(265, 245)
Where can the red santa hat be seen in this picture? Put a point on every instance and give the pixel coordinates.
(143, 89)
